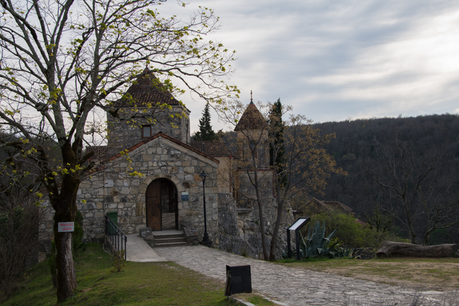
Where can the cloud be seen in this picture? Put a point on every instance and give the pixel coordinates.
(337, 59)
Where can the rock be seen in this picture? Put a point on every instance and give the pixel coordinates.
(390, 248)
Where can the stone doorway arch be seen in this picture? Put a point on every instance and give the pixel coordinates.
(161, 205)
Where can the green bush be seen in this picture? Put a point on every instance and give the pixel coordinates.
(441, 235)
(118, 261)
(351, 233)
(18, 242)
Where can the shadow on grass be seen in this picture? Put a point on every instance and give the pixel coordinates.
(137, 284)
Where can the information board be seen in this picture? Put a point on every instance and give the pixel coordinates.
(298, 223)
(184, 196)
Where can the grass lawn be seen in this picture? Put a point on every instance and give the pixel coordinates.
(422, 273)
(136, 284)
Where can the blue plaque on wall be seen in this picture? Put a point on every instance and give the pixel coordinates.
(184, 196)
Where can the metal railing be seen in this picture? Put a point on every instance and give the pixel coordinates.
(115, 235)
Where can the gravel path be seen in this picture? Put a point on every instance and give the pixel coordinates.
(293, 286)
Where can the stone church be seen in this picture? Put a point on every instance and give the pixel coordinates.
(149, 175)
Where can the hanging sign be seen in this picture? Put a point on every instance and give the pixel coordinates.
(63, 227)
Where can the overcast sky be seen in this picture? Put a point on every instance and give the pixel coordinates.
(337, 60)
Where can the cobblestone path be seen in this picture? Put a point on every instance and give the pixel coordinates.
(293, 286)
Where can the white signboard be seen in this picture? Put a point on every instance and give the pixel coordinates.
(63, 227)
(297, 224)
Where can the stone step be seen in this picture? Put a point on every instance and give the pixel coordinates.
(169, 244)
(169, 236)
(169, 239)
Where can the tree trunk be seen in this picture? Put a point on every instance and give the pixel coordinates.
(262, 230)
(272, 250)
(389, 248)
(256, 185)
(65, 211)
(66, 276)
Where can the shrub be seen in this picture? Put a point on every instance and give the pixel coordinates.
(349, 232)
(118, 261)
(18, 243)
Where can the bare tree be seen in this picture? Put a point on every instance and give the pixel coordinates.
(413, 189)
(303, 168)
(62, 60)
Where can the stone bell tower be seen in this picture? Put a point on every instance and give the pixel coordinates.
(148, 109)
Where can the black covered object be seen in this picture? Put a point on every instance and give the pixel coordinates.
(238, 280)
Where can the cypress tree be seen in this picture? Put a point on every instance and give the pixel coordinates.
(205, 129)
(276, 128)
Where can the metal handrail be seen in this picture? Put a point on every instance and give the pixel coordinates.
(115, 235)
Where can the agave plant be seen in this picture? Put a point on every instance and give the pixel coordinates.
(342, 252)
(316, 244)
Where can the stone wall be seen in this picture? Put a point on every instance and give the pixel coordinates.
(126, 133)
(231, 227)
(240, 226)
(113, 188)
(245, 189)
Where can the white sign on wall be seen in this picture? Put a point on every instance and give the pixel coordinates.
(63, 227)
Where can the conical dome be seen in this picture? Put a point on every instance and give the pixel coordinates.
(147, 89)
(252, 119)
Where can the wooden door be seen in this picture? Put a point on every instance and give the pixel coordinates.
(153, 205)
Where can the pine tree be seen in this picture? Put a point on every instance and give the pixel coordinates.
(205, 129)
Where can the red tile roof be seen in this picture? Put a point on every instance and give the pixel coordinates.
(147, 89)
(211, 147)
(252, 119)
(338, 205)
(332, 206)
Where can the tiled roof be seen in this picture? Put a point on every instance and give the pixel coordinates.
(152, 138)
(148, 89)
(335, 205)
(252, 119)
(338, 205)
(170, 139)
(211, 147)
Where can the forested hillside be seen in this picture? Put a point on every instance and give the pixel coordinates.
(407, 166)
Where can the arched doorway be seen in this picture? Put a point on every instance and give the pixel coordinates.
(161, 205)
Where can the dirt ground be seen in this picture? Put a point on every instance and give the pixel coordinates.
(435, 274)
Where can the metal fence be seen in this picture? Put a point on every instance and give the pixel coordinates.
(115, 235)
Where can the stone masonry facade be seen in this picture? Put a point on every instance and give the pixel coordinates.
(173, 122)
(112, 187)
(154, 136)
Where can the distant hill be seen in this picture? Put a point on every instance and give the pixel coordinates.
(363, 140)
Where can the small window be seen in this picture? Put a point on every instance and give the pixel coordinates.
(146, 131)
